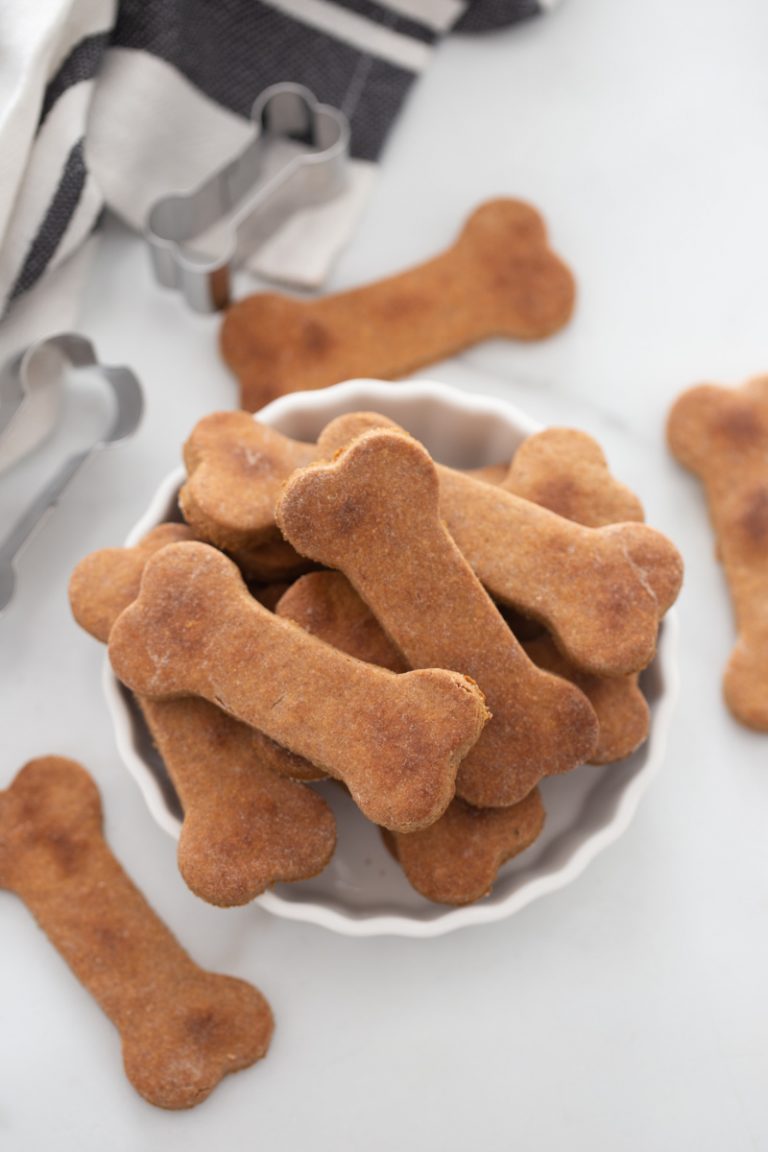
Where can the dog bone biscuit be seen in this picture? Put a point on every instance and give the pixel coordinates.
(600, 591)
(107, 581)
(395, 741)
(235, 468)
(457, 859)
(373, 513)
(500, 278)
(565, 470)
(244, 827)
(721, 435)
(182, 1028)
(104, 583)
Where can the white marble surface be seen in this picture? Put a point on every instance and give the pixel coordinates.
(630, 1010)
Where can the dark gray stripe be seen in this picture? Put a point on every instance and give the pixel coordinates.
(82, 63)
(234, 49)
(57, 218)
(486, 15)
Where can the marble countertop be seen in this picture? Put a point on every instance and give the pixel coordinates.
(630, 1009)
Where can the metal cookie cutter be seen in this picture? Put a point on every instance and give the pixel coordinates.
(38, 370)
(258, 189)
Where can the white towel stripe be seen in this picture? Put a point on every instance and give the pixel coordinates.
(62, 128)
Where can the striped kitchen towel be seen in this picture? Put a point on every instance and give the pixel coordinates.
(105, 103)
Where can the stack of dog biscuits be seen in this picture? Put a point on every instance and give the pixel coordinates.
(437, 641)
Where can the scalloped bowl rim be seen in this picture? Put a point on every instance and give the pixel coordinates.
(342, 920)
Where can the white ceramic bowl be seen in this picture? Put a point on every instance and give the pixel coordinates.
(363, 891)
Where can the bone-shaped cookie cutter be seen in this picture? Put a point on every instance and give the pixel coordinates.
(37, 370)
(252, 190)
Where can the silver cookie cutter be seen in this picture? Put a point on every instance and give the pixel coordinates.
(257, 191)
(36, 372)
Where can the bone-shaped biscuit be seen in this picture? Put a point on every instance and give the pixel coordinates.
(102, 586)
(235, 467)
(565, 470)
(456, 860)
(395, 741)
(373, 513)
(601, 592)
(182, 1028)
(244, 826)
(500, 278)
(721, 435)
(107, 581)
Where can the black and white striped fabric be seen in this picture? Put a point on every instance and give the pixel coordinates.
(117, 103)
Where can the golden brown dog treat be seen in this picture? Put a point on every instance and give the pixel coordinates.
(621, 709)
(107, 581)
(244, 826)
(721, 435)
(326, 604)
(104, 583)
(182, 1028)
(395, 741)
(373, 513)
(457, 859)
(235, 468)
(500, 278)
(601, 592)
(565, 470)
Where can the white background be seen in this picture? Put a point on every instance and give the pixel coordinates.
(629, 1011)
